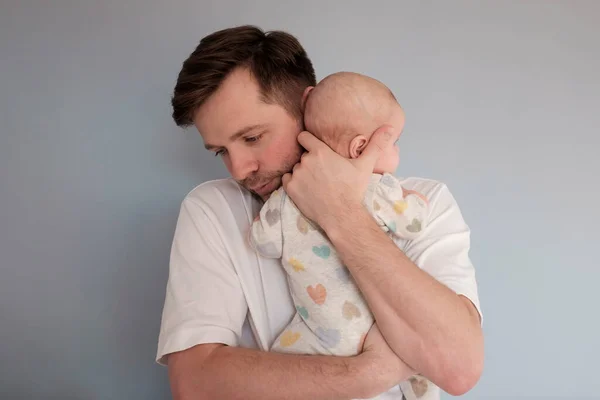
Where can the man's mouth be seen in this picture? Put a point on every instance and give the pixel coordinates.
(263, 188)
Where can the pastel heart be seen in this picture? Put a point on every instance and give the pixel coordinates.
(302, 311)
(329, 337)
(317, 293)
(391, 226)
(419, 386)
(376, 206)
(296, 265)
(272, 217)
(388, 180)
(349, 311)
(302, 225)
(288, 338)
(415, 226)
(268, 249)
(343, 274)
(322, 251)
(400, 206)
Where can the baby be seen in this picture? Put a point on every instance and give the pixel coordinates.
(332, 317)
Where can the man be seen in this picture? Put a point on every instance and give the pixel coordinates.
(242, 88)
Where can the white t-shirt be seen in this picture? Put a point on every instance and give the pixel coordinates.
(220, 291)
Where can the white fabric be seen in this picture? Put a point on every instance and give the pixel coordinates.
(221, 291)
(332, 316)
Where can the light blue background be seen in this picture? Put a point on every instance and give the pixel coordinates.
(503, 104)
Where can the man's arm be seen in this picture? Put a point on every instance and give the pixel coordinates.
(204, 311)
(216, 371)
(429, 326)
(213, 371)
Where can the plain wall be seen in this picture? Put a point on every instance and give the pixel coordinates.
(502, 102)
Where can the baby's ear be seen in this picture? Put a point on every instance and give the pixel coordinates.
(305, 96)
(357, 145)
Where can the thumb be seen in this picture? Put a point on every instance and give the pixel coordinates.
(380, 140)
(285, 180)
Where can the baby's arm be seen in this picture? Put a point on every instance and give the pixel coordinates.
(265, 235)
(403, 211)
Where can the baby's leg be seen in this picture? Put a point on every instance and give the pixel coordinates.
(297, 338)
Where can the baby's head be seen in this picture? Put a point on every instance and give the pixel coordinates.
(345, 108)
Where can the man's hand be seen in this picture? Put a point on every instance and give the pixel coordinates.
(327, 187)
(381, 364)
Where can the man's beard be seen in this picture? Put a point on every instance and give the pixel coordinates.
(259, 179)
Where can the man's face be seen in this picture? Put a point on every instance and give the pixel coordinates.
(257, 141)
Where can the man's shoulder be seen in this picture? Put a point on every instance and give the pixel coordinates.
(437, 192)
(217, 194)
(423, 185)
(206, 191)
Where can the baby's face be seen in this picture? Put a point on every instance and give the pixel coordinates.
(389, 160)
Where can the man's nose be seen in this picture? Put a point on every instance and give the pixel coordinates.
(241, 165)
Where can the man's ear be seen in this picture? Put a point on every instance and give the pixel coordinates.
(305, 95)
(357, 145)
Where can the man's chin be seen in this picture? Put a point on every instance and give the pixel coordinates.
(269, 188)
(264, 192)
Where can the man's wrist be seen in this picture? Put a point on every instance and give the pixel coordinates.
(350, 218)
(364, 376)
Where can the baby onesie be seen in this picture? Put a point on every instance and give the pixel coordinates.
(332, 317)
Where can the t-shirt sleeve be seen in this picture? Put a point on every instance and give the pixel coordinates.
(442, 248)
(204, 301)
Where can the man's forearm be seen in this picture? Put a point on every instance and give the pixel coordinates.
(424, 322)
(239, 373)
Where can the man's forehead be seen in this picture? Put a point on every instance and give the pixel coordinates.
(235, 96)
(238, 88)
(222, 123)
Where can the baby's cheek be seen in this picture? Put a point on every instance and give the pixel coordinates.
(394, 160)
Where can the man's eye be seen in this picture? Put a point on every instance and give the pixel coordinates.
(253, 139)
(219, 153)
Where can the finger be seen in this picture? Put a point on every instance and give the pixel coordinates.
(310, 142)
(285, 180)
(374, 329)
(380, 140)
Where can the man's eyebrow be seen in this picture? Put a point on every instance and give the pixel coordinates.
(237, 134)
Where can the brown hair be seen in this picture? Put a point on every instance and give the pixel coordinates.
(276, 59)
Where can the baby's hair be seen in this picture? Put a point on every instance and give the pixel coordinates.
(346, 104)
